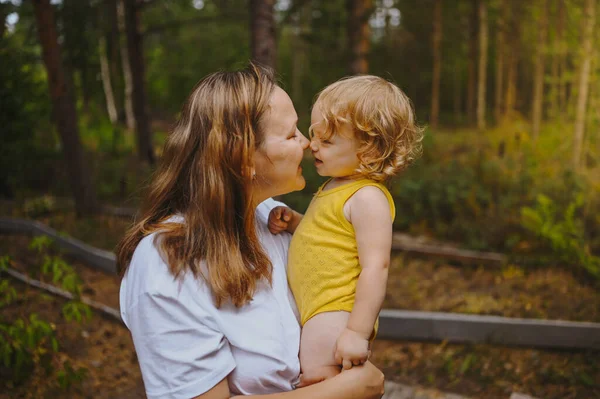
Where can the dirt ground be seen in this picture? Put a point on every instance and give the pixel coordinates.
(103, 346)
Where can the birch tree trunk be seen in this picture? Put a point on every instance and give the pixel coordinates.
(584, 80)
(63, 110)
(437, 64)
(482, 72)
(359, 34)
(126, 66)
(538, 79)
(106, 83)
(105, 29)
(263, 43)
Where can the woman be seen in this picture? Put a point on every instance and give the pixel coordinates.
(204, 289)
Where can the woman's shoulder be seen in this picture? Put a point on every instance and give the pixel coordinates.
(148, 274)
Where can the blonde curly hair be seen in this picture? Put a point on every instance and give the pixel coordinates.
(382, 119)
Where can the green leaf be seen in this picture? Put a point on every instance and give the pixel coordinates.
(466, 364)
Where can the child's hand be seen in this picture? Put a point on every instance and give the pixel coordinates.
(279, 219)
(351, 349)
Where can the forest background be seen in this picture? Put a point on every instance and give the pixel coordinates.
(508, 90)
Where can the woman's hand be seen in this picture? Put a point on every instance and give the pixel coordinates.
(351, 349)
(360, 382)
(367, 380)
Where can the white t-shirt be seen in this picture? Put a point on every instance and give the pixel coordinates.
(185, 345)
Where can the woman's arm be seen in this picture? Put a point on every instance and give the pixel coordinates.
(364, 382)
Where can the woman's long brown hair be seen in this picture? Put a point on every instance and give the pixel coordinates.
(205, 176)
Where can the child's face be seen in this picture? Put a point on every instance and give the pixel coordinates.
(335, 157)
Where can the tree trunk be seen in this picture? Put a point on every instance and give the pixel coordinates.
(538, 79)
(359, 34)
(513, 44)
(458, 81)
(471, 70)
(114, 48)
(483, 56)
(136, 62)
(562, 57)
(437, 63)
(584, 80)
(500, 51)
(63, 110)
(104, 30)
(4, 11)
(127, 75)
(554, 68)
(263, 42)
(300, 54)
(106, 84)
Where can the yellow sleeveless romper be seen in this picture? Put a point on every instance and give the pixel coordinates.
(323, 266)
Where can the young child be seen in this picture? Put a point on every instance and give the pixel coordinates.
(362, 132)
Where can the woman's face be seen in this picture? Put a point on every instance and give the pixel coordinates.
(277, 160)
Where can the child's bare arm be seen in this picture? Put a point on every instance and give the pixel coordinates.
(369, 213)
(283, 218)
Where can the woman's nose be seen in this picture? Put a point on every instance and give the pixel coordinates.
(313, 145)
(304, 142)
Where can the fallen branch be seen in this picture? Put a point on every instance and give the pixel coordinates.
(107, 310)
(402, 242)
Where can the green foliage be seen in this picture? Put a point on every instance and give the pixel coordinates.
(24, 116)
(41, 244)
(65, 275)
(78, 311)
(7, 293)
(70, 376)
(39, 206)
(4, 262)
(62, 273)
(29, 343)
(459, 195)
(26, 344)
(562, 235)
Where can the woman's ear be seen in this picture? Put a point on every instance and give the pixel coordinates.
(250, 171)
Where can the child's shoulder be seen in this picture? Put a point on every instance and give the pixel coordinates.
(371, 201)
(371, 194)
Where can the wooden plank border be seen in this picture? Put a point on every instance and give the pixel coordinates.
(393, 324)
(95, 257)
(495, 330)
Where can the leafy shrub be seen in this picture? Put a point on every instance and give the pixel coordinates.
(561, 233)
(28, 343)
